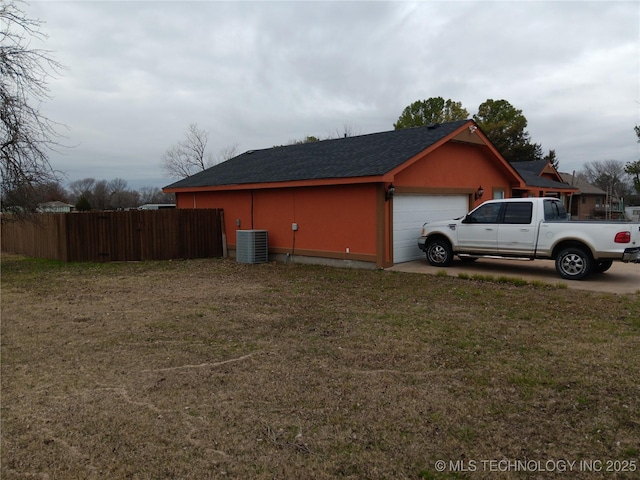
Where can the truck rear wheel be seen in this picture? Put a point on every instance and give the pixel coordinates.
(602, 266)
(439, 253)
(573, 263)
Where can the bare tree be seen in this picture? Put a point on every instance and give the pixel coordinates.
(155, 195)
(188, 156)
(120, 196)
(347, 131)
(82, 188)
(26, 136)
(35, 194)
(608, 174)
(633, 168)
(103, 194)
(100, 195)
(228, 152)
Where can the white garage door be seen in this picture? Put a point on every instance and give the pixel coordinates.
(410, 212)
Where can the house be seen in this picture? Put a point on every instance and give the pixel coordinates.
(586, 200)
(632, 207)
(156, 206)
(55, 207)
(591, 202)
(358, 200)
(632, 213)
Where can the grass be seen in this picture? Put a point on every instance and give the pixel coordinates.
(518, 282)
(213, 369)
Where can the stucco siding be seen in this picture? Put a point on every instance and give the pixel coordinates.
(331, 220)
(455, 166)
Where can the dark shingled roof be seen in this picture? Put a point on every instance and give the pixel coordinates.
(530, 172)
(362, 156)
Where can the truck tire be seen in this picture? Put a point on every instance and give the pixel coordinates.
(439, 252)
(602, 266)
(574, 263)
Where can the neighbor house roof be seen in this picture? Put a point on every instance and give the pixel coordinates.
(362, 156)
(530, 172)
(54, 204)
(583, 186)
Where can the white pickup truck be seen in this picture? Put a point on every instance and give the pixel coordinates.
(530, 228)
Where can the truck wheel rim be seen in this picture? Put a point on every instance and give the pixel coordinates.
(437, 254)
(573, 264)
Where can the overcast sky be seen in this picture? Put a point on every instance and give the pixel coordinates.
(259, 74)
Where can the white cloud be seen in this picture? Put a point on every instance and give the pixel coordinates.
(264, 73)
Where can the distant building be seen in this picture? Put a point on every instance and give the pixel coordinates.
(55, 207)
(156, 206)
(591, 202)
(633, 213)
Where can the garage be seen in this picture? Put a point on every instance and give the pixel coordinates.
(410, 212)
(357, 201)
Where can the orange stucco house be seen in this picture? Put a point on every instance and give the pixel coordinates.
(359, 200)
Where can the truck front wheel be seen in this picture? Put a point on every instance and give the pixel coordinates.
(573, 263)
(439, 253)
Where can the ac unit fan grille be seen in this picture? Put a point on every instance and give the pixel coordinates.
(252, 246)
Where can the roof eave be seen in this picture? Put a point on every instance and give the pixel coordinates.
(287, 184)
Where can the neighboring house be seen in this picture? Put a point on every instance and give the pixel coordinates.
(360, 200)
(55, 207)
(632, 207)
(156, 206)
(543, 180)
(591, 202)
(633, 213)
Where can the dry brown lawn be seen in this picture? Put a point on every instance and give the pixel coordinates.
(212, 369)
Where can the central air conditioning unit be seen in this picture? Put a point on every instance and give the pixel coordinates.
(252, 246)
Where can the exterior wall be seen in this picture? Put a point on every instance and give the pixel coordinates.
(333, 221)
(587, 206)
(583, 205)
(456, 168)
(236, 206)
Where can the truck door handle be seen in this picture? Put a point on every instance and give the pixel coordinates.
(489, 229)
(524, 229)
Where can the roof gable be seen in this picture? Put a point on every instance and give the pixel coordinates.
(535, 166)
(531, 171)
(361, 156)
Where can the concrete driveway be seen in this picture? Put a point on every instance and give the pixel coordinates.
(620, 278)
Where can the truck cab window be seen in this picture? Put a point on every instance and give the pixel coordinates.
(554, 211)
(484, 214)
(518, 213)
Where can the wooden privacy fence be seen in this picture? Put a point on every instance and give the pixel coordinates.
(117, 236)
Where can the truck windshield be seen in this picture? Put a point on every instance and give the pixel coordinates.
(554, 211)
